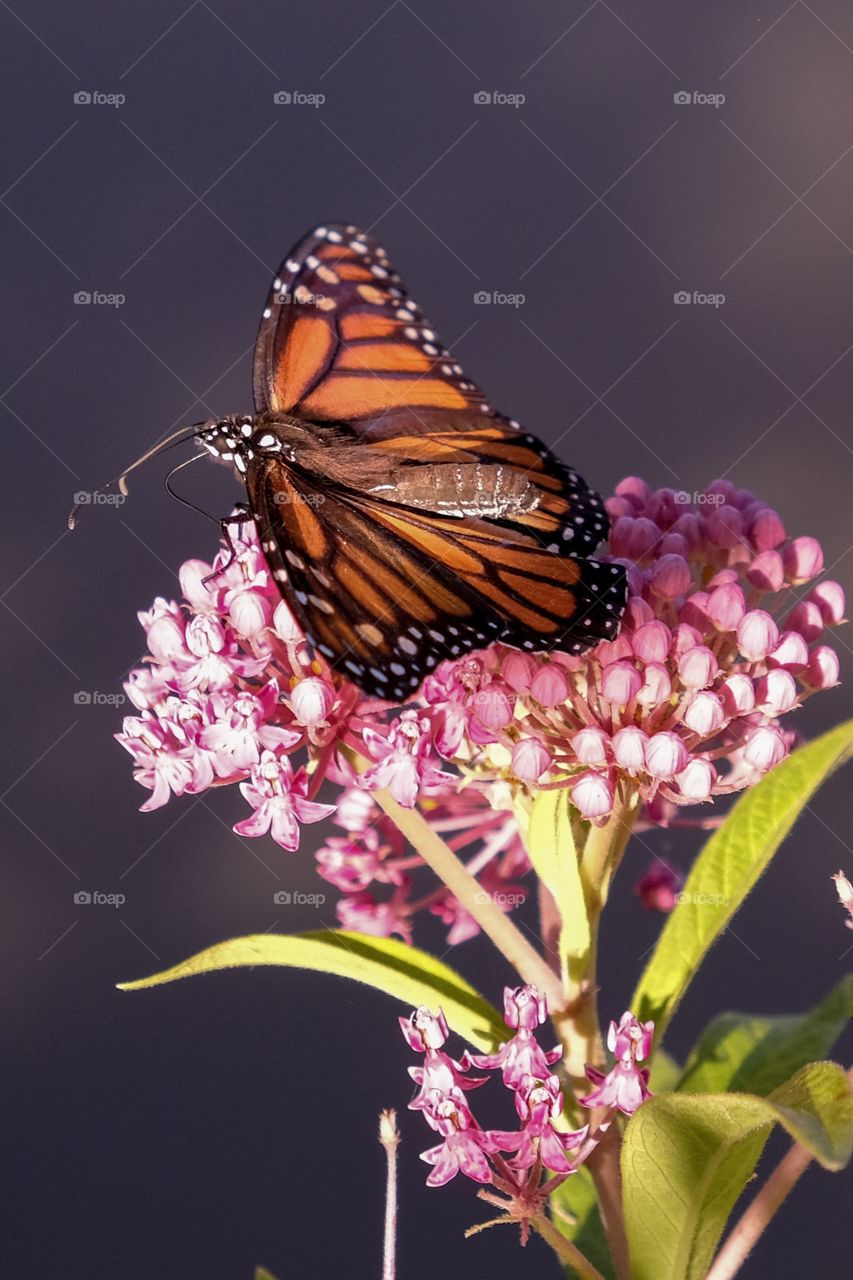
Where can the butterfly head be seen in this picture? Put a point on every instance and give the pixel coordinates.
(229, 439)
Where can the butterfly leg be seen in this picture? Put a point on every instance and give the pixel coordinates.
(240, 515)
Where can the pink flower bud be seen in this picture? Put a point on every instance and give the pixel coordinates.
(663, 508)
(643, 538)
(829, 598)
(620, 682)
(593, 796)
(696, 782)
(689, 527)
(656, 687)
(757, 634)
(530, 760)
(697, 667)
(250, 613)
(285, 625)
(614, 650)
(518, 671)
(590, 746)
(704, 714)
(692, 612)
(191, 576)
(776, 692)
(658, 888)
(738, 694)
(549, 686)
(629, 749)
(493, 707)
(674, 544)
(791, 652)
(166, 639)
(666, 755)
(765, 748)
(767, 571)
(670, 577)
(726, 606)
(725, 526)
(822, 670)
(721, 489)
(311, 700)
(803, 559)
(618, 507)
(637, 611)
(635, 490)
(722, 578)
(807, 619)
(651, 642)
(766, 530)
(685, 637)
(620, 535)
(525, 1008)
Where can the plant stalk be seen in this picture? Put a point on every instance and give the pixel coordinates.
(564, 1249)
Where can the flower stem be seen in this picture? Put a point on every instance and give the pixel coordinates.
(750, 1226)
(497, 926)
(389, 1137)
(564, 1249)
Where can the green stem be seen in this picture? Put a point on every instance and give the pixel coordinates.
(564, 1249)
(497, 926)
(746, 1233)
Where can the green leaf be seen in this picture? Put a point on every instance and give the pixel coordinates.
(728, 867)
(576, 1196)
(687, 1157)
(550, 845)
(665, 1073)
(747, 1054)
(391, 966)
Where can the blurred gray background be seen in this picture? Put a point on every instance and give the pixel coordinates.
(189, 1132)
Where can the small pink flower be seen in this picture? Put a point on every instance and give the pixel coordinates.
(403, 760)
(626, 1085)
(757, 634)
(592, 793)
(530, 759)
(803, 559)
(539, 1103)
(666, 755)
(277, 796)
(465, 1146)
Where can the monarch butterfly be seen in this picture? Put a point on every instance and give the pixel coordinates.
(404, 521)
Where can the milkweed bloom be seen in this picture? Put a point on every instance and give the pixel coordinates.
(723, 635)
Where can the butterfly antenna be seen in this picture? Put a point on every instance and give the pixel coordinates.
(176, 438)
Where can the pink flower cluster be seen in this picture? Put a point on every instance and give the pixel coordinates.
(539, 1143)
(718, 641)
(723, 634)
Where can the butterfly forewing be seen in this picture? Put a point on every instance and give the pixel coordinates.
(423, 524)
